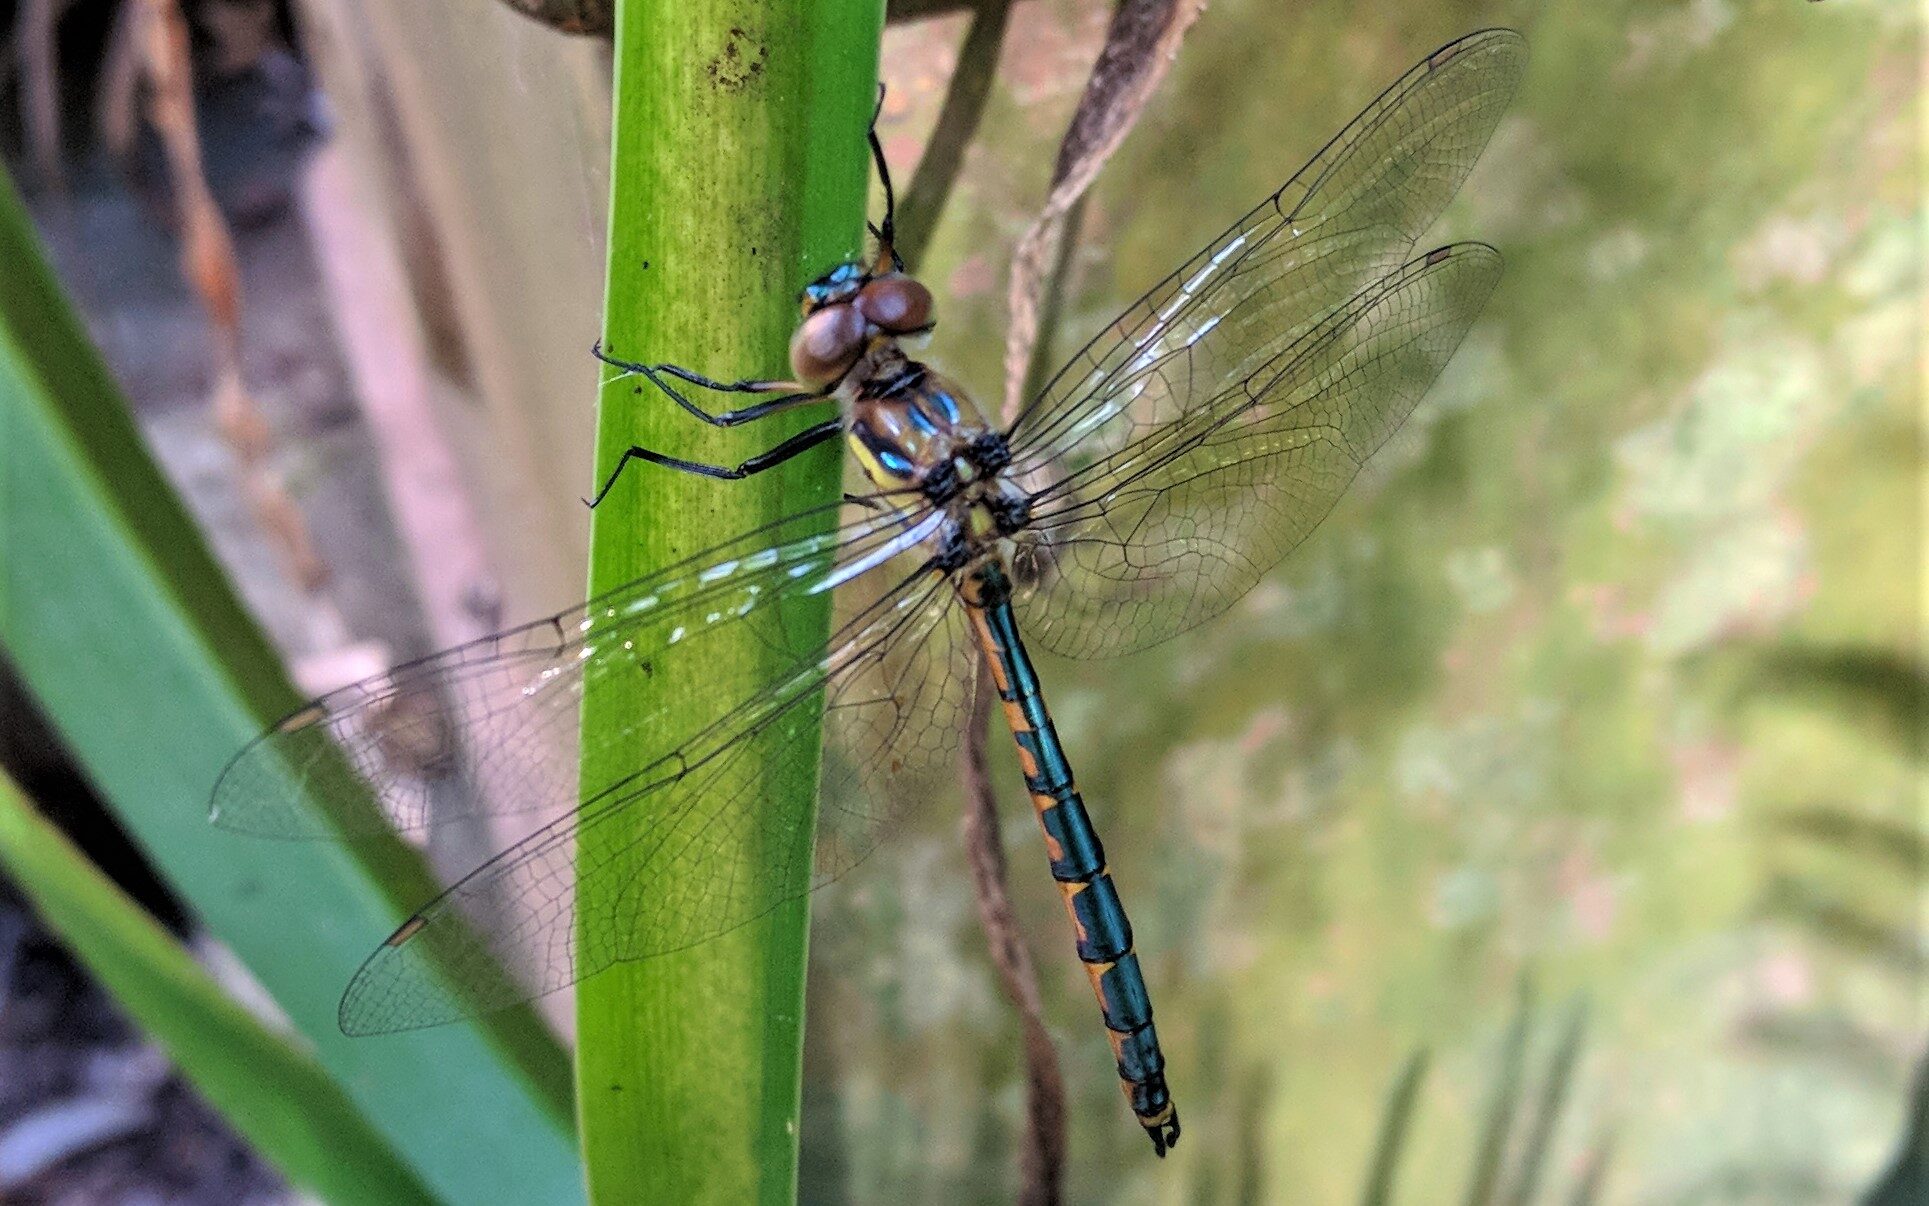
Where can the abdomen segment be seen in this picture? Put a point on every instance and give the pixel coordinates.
(1104, 935)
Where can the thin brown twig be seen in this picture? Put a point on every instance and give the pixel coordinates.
(964, 108)
(1140, 43)
(117, 98)
(1051, 308)
(1042, 1159)
(38, 54)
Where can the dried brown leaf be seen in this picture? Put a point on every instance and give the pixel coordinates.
(209, 264)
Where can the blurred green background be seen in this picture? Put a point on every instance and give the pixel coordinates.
(1609, 681)
(1556, 809)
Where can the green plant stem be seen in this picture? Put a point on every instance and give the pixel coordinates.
(275, 1095)
(738, 174)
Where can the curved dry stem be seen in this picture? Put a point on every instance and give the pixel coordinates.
(1042, 1160)
(964, 107)
(1139, 46)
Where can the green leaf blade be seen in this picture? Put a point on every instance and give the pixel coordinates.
(275, 1095)
(125, 630)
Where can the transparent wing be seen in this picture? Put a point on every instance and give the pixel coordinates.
(489, 727)
(1141, 544)
(1346, 219)
(891, 677)
(893, 688)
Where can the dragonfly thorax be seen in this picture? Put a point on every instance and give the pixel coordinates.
(913, 430)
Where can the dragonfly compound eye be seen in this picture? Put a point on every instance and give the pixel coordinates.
(895, 303)
(826, 344)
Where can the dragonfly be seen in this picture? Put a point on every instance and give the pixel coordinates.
(1178, 456)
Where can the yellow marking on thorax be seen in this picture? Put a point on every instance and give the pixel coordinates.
(980, 522)
(874, 469)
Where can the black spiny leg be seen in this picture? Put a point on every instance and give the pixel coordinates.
(798, 394)
(887, 234)
(803, 441)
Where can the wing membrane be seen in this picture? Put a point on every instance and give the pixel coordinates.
(892, 677)
(894, 684)
(489, 727)
(1344, 220)
(1139, 545)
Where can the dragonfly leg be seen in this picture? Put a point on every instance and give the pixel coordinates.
(795, 393)
(887, 234)
(803, 441)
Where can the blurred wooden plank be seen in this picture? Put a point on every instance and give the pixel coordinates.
(487, 136)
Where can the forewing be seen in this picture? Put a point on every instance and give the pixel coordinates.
(490, 727)
(1169, 531)
(1347, 218)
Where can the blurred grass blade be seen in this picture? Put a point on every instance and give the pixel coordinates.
(1883, 693)
(1906, 1181)
(1899, 847)
(1503, 1104)
(1524, 1180)
(122, 626)
(1395, 1120)
(1593, 1172)
(738, 174)
(276, 1096)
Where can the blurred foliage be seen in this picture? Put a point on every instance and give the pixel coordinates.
(1516, 1128)
(135, 647)
(1612, 671)
(276, 1094)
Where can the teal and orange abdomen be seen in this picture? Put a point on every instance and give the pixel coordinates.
(1103, 932)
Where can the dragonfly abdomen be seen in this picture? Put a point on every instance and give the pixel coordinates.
(1103, 932)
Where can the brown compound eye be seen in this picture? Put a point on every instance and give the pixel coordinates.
(895, 303)
(826, 344)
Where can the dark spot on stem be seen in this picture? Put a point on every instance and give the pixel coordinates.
(739, 63)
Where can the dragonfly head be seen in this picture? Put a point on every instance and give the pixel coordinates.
(846, 308)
